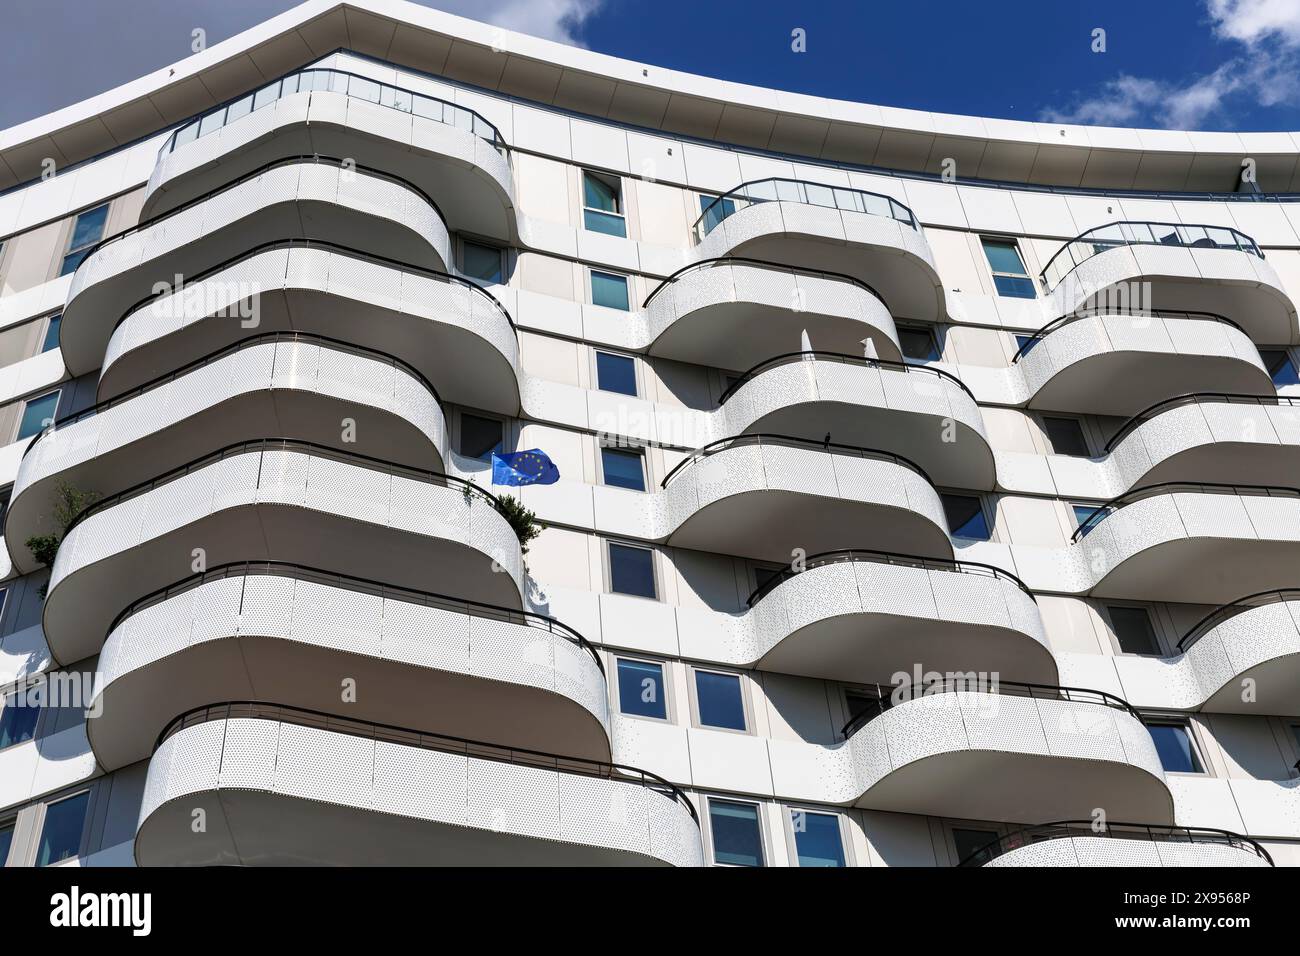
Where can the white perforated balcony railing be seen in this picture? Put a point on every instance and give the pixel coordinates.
(298, 634)
(278, 500)
(1081, 843)
(452, 331)
(341, 202)
(446, 149)
(869, 236)
(361, 793)
(309, 386)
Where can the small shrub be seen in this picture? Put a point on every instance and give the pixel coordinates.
(524, 522)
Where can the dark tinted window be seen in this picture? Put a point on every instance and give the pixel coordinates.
(735, 831)
(482, 262)
(615, 373)
(479, 437)
(631, 570)
(52, 333)
(623, 469)
(1133, 630)
(718, 697)
(61, 834)
(918, 344)
(641, 689)
(1174, 745)
(817, 838)
(17, 723)
(965, 517)
(1280, 367)
(970, 841)
(1066, 436)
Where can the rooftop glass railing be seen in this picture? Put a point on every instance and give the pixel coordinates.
(798, 191)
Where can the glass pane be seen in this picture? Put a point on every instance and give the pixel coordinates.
(1174, 745)
(239, 108)
(598, 194)
(609, 291)
(17, 723)
(427, 107)
(1027, 343)
(969, 841)
(918, 344)
(1133, 630)
(736, 838)
(607, 222)
(61, 835)
(1004, 257)
(482, 262)
(267, 94)
(1087, 516)
(72, 260)
(623, 469)
(1066, 436)
(1279, 366)
(965, 517)
(213, 121)
(52, 333)
(362, 89)
(479, 437)
(615, 373)
(631, 571)
(6, 840)
(89, 228)
(817, 838)
(1012, 287)
(641, 689)
(186, 134)
(719, 700)
(37, 414)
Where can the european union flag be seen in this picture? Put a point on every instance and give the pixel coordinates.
(532, 467)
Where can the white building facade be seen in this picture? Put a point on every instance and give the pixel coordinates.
(926, 483)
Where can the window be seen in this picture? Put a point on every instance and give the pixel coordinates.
(1280, 367)
(737, 839)
(1173, 740)
(713, 210)
(1066, 436)
(763, 575)
(918, 344)
(61, 834)
(1132, 627)
(17, 721)
(615, 373)
(38, 414)
(1087, 517)
(622, 468)
(6, 840)
(967, 842)
(479, 437)
(641, 689)
(631, 570)
(1009, 275)
(817, 840)
(719, 700)
(602, 205)
(1026, 344)
(965, 514)
(859, 702)
(609, 290)
(481, 262)
(86, 231)
(52, 333)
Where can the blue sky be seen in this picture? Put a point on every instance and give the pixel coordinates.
(1190, 64)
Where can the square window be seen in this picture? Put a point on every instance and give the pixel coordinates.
(61, 834)
(719, 700)
(918, 344)
(1280, 367)
(1132, 627)
(1009, 275)
(1173, 740)
(641, 690)
(86, 231)
(817, 840)
(965, 516)
(602, 205)
(51, 341)
(623, 469)
(615, 373)
(737, 840)
(479, 437)
(17, 721)
(481, 262)
(631, 571)
(1066, 436)
(609, 290)
(968, 842)
(38, 414)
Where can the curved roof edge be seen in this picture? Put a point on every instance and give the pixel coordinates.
(650, 97)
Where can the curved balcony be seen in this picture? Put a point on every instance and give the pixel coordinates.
(1254, 639)
(1161, 265)
(309, 386)
(1078, 843)
(755, 494)
(1189, 543)
(278, 500)
(340, 201)
(869, 236)
(299, 634)
(1207, 436)
(365, 794)
(449, 151)
(864, 616)
(1113, 364)
(922, 413)
(453, 332)
(735, 312)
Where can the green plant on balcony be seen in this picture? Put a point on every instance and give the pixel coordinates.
(69, 501)
(523, 521)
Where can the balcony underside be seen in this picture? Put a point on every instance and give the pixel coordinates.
(1109, 851)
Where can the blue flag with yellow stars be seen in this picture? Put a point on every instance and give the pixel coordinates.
(532, 467)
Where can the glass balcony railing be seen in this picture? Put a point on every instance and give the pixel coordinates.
(1089, 829)
(793, 190)
(337, 81)
(1117, 234)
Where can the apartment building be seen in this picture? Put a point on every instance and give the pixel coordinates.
(926, 484)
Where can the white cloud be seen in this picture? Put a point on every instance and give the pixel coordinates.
(1253, 21)
(550, 19)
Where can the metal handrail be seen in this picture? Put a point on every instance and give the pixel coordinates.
(884, 699)
(1157, 833)
(1230, 610)
(337, 345)
(445, 743)
(1145, 233)
(478, 123)
(791, 441)
(764, 264)
(1169, 487)
(360, 585)
(1099, 312)
(784, 189)
(289, 444)
(1195, 398)
(788, 358)
(848, 555)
